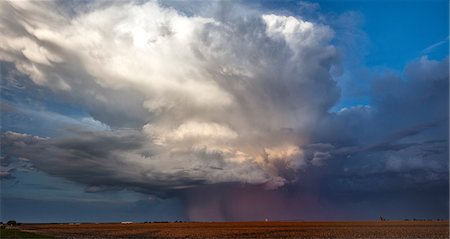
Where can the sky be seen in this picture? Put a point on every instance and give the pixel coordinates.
(224, 110)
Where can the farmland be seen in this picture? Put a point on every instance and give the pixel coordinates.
(385, 229)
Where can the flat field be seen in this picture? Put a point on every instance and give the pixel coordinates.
(374, 229)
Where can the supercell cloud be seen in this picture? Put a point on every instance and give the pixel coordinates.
(209, 100)
(219, 104)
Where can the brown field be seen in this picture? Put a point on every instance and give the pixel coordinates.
(386, 229)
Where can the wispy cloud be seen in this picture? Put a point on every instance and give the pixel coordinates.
(434, 46)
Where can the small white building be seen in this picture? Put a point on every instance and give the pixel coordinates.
(126, 222)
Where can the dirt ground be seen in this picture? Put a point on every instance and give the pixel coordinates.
(385, 229)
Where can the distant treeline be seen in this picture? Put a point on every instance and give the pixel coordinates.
(164, 221)
(413, 219)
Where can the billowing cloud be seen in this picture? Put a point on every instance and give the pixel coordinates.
(211, 99)
(215, 105)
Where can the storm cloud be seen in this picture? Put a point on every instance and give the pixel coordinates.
(212, 100)
(235, 105)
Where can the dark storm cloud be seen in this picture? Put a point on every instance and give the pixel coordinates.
(401, 106)
(388, 144)
(90, 158)
(391, 152)
(114, 160)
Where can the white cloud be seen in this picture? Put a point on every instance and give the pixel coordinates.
(204, 92)
(296, 32)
